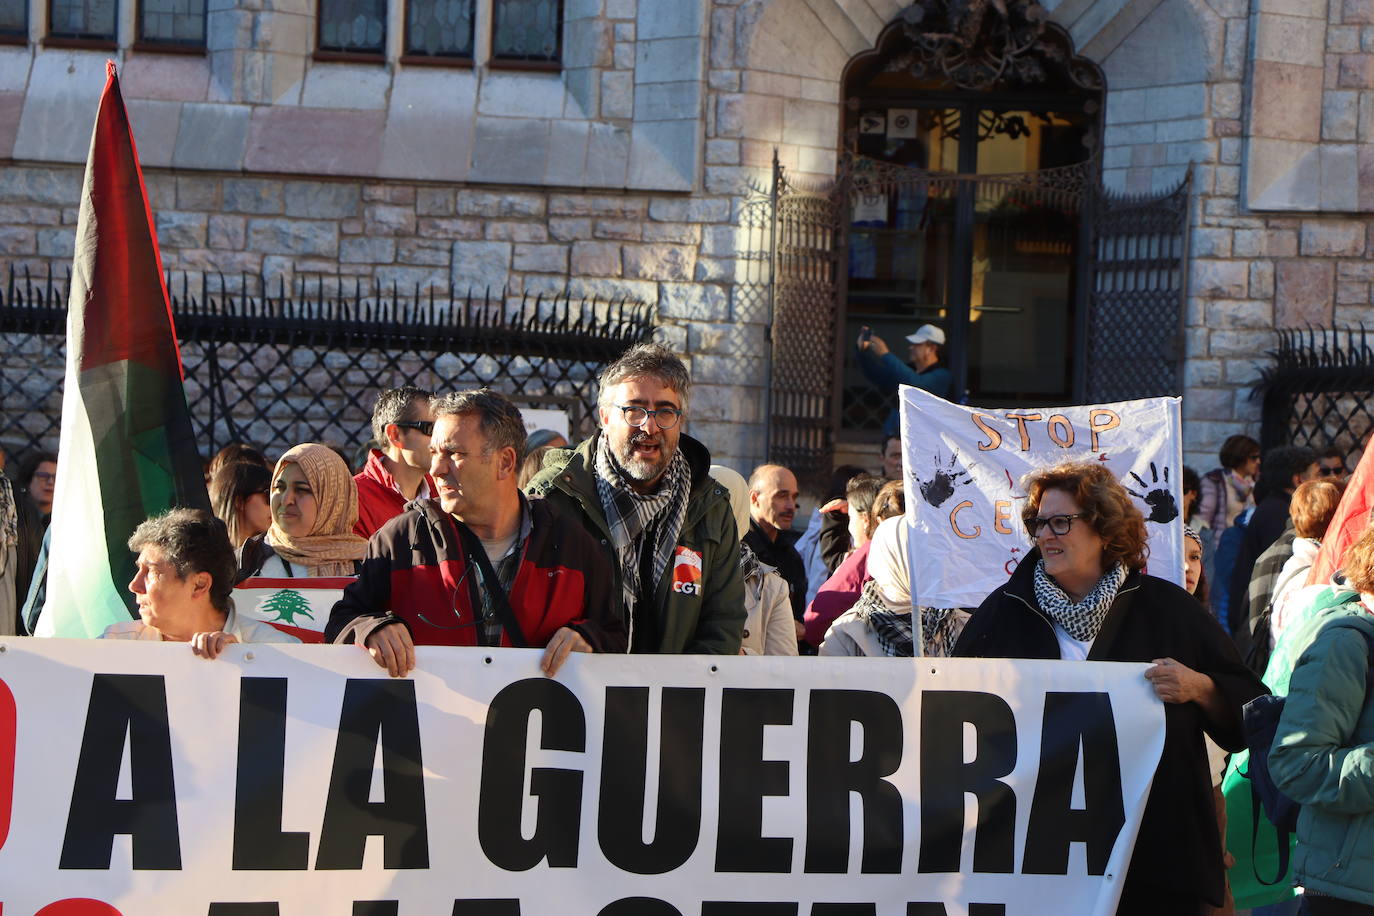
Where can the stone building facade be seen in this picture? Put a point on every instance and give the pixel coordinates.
(623, 174)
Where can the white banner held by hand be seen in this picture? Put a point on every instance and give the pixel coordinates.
(963, 467)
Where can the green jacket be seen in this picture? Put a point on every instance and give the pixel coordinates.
(1241, 837)
(707, 620)
(1323, 757)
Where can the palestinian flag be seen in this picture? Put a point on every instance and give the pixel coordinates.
(127, 447)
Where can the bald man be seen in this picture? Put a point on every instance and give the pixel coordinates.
(772, 507)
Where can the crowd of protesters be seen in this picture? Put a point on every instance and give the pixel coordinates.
(460, 529)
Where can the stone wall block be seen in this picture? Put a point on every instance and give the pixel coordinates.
(13, 215)
(1201, 373)
(367, 250)
(499, 204)
(1304, 292)
(1207, 404)
(505, 231)
(178, 229)
(481, 265)
(321, 199)
(1219, 279)
(680, 233)
(18, 240)
(1329, 238)
(690, 209)
(659, 262)
(545, 259)
(569, 229)
(1353, 11)
(613, 290)
(294, 237)
(1240, 342)
(1356, 71)
(426, 252)
(1260, 243)
(253, 195)
(226, 232)
(1352, 292)
(1340, 115)
(431, 227)
(1212, 243)
(1234, 314)
(597, 205)
(596, 259)
(1262, 281)
(388, 219)
(630, 230)
(434, 202)
(694, 301)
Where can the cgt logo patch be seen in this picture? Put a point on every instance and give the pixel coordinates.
(686, 571)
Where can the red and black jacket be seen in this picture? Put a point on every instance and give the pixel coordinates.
(417, 572)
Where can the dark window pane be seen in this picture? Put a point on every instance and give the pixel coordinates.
(173, 22)
(14, 17)
(527, 29)
(440, 28)
(358, 26)
(82, 19)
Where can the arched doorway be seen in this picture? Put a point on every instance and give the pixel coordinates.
(968, 196)
(970, 142)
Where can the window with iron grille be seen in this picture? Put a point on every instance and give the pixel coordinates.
(88, 20)
(352, 27)
(14, 19)
(440, 28)
(174, 23)
(527, 30)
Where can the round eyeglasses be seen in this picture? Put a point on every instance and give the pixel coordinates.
(1059, 524)
(636, 416)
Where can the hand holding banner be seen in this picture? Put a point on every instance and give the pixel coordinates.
(964, 465)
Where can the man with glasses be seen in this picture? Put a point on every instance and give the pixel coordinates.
(480, 565)
(397, 472)
(642, 488)
(1331, 464)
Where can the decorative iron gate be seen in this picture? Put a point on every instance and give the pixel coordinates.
(1129, 293)
(306, 364)
(1320, 390)
(1139, 288)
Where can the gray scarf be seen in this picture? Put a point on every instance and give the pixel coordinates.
(1084, 619)
(630, 515)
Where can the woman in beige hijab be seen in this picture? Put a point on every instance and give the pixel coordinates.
(314, 505)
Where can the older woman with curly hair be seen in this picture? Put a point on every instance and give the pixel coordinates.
(1082, 593)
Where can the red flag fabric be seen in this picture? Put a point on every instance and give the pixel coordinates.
(1349, 522)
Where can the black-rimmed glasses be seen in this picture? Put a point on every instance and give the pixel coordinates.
(636, 416)
(1059, 524)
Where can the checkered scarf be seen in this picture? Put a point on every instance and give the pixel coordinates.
(891, 628)
(630, 515)
(1084, 619)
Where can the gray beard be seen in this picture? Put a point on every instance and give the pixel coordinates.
(641, 469)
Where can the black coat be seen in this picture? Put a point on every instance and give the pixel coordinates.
(1266, 525)
(1178, 849)
(781, 554)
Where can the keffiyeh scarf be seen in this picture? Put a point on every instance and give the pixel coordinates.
(1084, 619)
(631, 516)
(891, 628)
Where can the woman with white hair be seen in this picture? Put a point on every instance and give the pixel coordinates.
(768, 630)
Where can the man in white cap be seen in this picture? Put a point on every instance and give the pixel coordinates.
(886, 371)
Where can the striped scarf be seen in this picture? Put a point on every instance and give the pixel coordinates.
(631, 516)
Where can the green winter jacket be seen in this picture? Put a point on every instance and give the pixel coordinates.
(1256, 849)
(707, 619)
(1323, 757)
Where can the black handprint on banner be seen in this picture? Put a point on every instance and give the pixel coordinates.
(941, 487)
(1163, 507)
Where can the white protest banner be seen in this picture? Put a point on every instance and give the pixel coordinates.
(296, 605)
(536, 418)
(964, 465)
(301, 781)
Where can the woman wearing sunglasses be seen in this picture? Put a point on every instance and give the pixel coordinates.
(1083, 593)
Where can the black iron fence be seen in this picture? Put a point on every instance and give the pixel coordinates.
(1320, 389)
(306, 362)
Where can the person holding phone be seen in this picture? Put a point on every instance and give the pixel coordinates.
(926, 370)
